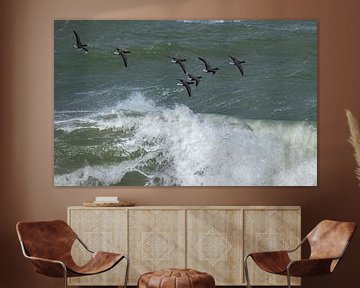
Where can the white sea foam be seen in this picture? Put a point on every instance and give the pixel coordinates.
(201, 149)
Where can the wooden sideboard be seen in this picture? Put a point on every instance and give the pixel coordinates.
(212, 239)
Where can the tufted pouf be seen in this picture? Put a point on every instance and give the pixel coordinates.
(176, 278)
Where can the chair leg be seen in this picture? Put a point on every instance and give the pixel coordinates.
(288, 278)
(246, 272)
(65, 276)
(127, 271)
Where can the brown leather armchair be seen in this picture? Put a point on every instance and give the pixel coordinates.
(328, 242)
(48, 245)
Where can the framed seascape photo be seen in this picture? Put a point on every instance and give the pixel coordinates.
(185, 103)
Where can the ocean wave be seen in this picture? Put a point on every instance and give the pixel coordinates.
(203, 21)
(180, 147)
(285, 25)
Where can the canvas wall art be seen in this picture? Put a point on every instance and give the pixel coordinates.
(185, 103)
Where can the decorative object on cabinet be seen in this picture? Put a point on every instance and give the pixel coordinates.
(48, 245)
(354, 140)
(109, 204)
(328, 242)
(204, 238)
(176, 278)
(106, 199)
(121, 119)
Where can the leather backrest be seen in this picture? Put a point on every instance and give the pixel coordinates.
(46, 239)
(329, 238)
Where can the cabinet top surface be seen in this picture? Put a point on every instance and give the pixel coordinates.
(192, 207)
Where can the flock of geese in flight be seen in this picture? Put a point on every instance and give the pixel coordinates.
(191, 79)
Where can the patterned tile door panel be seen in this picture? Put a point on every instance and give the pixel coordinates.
(270, 230)
(214, 244)
(101, 230)
(157, 240)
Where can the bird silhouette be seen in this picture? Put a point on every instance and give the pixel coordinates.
(80, 45)
(208, 68)
(237, 63)
(194, 78)
(122, 53)
(180, 62)
(186, 84)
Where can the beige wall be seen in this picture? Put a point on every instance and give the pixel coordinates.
(26, 111)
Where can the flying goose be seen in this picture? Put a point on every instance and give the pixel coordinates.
(208, 68)
(78, 44)
(180, 62)
(237, 63)
(122, 53)
(186, 84)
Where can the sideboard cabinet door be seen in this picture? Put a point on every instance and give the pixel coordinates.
(269, 230)
(214, 243)
(101, 230)
(156, 240)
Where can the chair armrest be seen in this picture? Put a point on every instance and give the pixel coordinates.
(309, 267)
(45, 260)
(84, 245)
(280, 251)
(298, 246)
(271, 261)
(268, 253)
(48, 267)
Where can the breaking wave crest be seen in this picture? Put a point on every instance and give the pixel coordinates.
(140, 143)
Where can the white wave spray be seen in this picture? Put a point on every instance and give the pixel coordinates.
(185, 148)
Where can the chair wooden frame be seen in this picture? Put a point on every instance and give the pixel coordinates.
(315, 265)
(59, 268)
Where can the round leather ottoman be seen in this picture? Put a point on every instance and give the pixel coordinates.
(176, 278)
